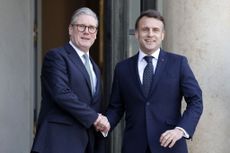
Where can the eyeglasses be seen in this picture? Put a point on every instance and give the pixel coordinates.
(82, 27)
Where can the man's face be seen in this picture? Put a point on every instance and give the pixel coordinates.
(80, 37)
(149, 34)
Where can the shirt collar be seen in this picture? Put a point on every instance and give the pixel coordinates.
(155, 54)
(79, 52)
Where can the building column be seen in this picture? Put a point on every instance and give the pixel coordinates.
(200, 30)
(17, 75)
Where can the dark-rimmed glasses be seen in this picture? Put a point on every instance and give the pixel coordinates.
(82, 27)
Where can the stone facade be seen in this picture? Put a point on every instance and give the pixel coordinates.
(200, 29)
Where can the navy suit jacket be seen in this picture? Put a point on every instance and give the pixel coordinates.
(68, 109)
(146, 118)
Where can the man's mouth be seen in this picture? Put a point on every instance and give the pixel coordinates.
(84, 38)
(150, 40)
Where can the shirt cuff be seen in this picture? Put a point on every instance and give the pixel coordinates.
(186, 135)
(105, 134)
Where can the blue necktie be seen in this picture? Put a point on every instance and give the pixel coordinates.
(87, 66)
(147, 75)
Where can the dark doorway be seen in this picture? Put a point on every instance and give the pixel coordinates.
(55, 22)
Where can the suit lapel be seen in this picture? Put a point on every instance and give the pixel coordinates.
(78, 62)
(161, 63)
(162, 60)
(134, 69)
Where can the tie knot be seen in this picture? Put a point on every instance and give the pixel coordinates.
(85, 56)
(148, 59)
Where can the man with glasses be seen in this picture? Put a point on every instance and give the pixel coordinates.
(71, 94)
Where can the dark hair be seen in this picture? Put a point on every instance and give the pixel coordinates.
(151, 14)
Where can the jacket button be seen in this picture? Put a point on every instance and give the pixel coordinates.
(148, 103)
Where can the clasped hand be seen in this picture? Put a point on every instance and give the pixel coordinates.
(102, 124)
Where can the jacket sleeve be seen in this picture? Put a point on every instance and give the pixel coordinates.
(116, 106)
(193, 97)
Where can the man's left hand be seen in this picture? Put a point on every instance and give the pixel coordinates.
(169, 137)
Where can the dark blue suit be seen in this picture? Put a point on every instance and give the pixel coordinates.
(147, 118)
(68, 108)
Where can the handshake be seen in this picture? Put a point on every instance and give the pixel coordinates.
(102, 125)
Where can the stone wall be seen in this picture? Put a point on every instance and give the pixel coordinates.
(16, 73)
(200, 30)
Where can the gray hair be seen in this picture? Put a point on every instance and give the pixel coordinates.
(83, 11)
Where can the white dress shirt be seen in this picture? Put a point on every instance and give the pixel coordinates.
(142, 63)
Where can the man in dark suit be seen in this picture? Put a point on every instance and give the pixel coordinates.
(71, 93)
(149, 88)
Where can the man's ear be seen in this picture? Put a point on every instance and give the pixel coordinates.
(70, 29)
(136, 34)
(163, 35)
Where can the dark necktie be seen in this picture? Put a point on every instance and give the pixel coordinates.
(147, 75)
(87, 66)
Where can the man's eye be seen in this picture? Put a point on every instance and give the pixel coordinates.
(156, 29)
(145, 29)
(81, 25)
(91, 27)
